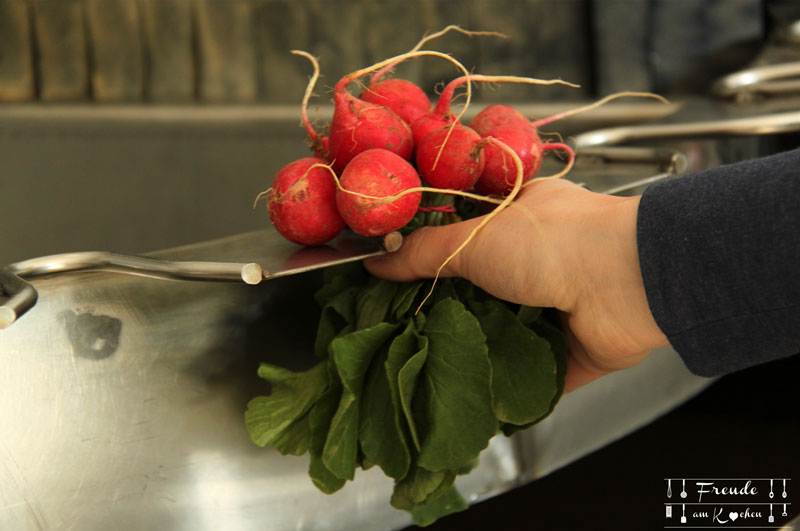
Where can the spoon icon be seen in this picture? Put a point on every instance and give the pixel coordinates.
(784, 488)
(683, 492)
(669, 488)
(771, 495)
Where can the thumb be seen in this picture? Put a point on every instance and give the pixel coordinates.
(423, 252)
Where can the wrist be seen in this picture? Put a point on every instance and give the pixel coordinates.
(612, 293)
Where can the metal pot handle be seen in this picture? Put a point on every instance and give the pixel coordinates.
(767, 124)
(771, 79)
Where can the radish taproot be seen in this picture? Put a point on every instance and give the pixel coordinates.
(302, 203)
(317, 143)
(358, 125)
(451, 159)
(366, 189)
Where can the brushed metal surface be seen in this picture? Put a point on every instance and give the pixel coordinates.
(123, 401)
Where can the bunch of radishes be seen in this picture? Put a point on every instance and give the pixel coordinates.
(368, 173)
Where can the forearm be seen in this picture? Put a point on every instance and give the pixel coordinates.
(720, 254)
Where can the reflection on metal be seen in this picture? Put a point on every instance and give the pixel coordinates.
(757, 125)
(639, 183)
(771, 79)
(670, 163)
(668, 160)
(16, 297)
(123, 401)
(791, 34)
(283, 259)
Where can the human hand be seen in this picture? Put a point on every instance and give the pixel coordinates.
(557, 245)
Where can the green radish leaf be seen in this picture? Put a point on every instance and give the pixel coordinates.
(404, 299)
(558, 346)
(338, 279)
(296, 439)
(380, 432)
(528, 314)
(448, 503)
(373, 303)
(340, 454)
(344, 303)
(330, 323)
(419, 321)
(445, 289)
(458, 420)
(337, 297)
(421, 486)
(407, 378)
(469, 467)
(403, 349)
(364, 462)
(319, 421)
(352, 355)
(523, 367)
(293, 394)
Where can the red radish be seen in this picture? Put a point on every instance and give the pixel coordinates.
(425, 124)
(514, 130)
(500, 116)
(441, 114)
(359, 125)
(499, 172)
(405, 98)
(318, 144)
(367, 185)
(458, 165)
(439, 117)
(302, 203)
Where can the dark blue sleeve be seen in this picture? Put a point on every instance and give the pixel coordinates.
(719, 252)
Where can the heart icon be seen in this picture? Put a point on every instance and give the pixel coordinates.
(733, 516)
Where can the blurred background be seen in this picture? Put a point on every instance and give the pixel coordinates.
(134, 125)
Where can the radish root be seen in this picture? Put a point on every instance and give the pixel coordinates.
(259, 196)
(307, 95)
(426, 39)
(353, 76)
(560, 116)
(553, 146)
(392, 198)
